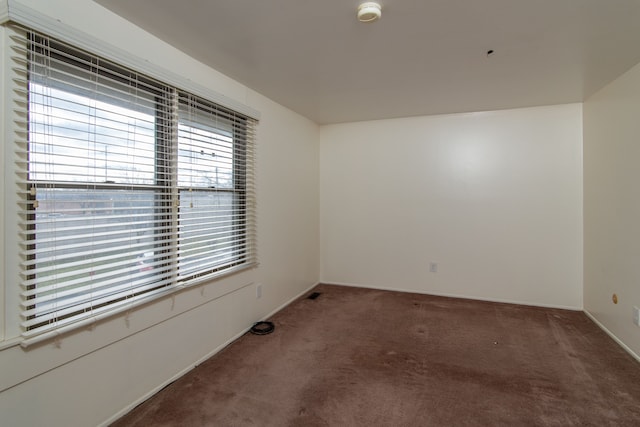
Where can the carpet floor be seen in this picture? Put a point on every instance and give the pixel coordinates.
(362, 357)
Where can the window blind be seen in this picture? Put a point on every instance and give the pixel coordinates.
(214, 168)
(128, 187)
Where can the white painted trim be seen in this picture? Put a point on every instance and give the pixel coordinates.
(4, 11)
(12, 342)
(613, 336)
(186, 370)
(35, 20)
(4, 103)
(440, 294)
(136, 302)
(282, 306)
(181, 373)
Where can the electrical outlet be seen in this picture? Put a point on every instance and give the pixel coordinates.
(636, 316)
(433, 267)
(259, 291)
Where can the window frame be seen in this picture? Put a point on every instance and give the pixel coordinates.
(238, 188)
(169, 123)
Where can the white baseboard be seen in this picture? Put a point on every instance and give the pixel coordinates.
(186, 370)
(155, 390)
(441, 294)
(290, 301)
(285, 304)
(613, 336)
(589, 315)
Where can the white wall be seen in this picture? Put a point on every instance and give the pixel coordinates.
(494, 198)
(612, 206)
(88, 377)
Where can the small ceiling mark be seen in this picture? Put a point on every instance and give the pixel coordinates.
(489, 53)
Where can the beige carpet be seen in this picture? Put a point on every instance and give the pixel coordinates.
(359, 357)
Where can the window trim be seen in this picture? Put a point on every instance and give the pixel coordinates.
(29, 339)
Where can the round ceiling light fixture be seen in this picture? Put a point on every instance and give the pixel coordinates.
(369, 11)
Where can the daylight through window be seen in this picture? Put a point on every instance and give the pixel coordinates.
(132, 187)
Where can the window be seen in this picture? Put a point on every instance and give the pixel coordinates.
(212, 182)
(131, 188)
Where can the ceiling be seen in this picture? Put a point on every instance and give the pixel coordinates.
(422, 57)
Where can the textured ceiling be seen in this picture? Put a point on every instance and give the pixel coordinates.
(423, 57)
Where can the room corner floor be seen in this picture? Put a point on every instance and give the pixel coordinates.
(362, 357)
